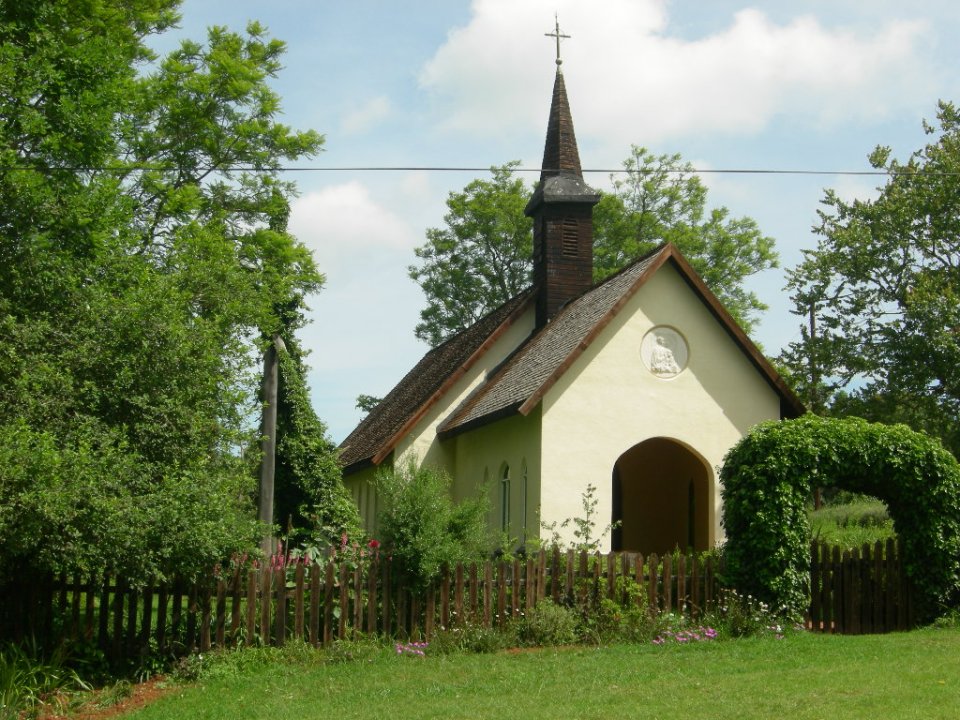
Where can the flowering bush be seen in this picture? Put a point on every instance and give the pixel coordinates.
(412, 648)
(740, 615)
(700, 633)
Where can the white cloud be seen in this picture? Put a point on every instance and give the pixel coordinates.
(630, 80)
(849, 188)
(343, 225)
(362, 321)
(365, 117)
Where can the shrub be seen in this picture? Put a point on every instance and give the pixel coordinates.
(87, 501)
(743, 616)
(423, 529)
(549, 624)
(472, 638)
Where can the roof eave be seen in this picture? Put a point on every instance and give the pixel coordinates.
(357, 466)
(565, 187)
(447, 433)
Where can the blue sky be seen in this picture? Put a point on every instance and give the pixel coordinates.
(804, 85)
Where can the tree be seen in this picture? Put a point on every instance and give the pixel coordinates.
(660, 198)
(366, 403)
(480, 259)
(882, 289)
(143, 252)
(483, 256)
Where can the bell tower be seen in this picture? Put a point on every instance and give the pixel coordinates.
(562, 211)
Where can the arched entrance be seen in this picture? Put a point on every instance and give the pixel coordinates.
(661, 497)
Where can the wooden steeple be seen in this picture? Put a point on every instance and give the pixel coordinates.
(562, 212)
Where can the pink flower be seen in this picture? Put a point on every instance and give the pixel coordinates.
(373, 544)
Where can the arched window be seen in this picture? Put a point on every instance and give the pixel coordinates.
(505, 498)
(524, 497)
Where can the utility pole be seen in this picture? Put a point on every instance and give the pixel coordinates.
(268, 441)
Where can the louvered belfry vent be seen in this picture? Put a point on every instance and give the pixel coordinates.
(562, 210)
(570, 238)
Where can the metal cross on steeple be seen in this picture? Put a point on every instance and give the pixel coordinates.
(558, 35)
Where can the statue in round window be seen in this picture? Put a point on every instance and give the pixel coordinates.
(664, 352)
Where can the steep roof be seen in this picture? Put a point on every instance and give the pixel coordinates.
(521, 383)
(560, 152)
(561, 177)
(383, 427)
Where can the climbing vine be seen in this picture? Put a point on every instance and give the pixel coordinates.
(768, 477)
(310, 494)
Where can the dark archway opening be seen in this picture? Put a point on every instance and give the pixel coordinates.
(661, 499)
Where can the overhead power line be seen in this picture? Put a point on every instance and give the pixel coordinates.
(441, 168)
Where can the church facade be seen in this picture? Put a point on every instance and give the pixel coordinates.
(636, 386)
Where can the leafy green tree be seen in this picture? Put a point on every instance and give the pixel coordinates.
(483, 255)
(480, 259)
(366, 403)
(881, 293)
(143, 251)
(660, 198)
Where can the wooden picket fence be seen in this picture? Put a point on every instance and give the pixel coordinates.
(324, 602)
(864, 590)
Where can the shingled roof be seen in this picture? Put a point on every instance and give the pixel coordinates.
(522, 380)
(378, 433)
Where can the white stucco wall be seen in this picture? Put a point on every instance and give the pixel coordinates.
(608, 401)
(483, 454)
(361, 486)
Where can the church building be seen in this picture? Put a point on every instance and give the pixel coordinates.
(637, 386)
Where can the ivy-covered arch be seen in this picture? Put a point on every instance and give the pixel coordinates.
(767, 479)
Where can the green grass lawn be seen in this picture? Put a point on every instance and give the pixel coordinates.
(851, 524)
(906, 675)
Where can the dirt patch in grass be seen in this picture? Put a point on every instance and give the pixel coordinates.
(140, 694)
